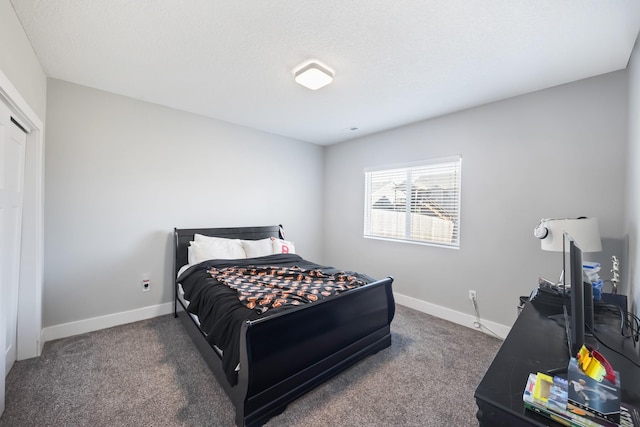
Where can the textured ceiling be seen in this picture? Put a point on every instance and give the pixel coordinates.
(394, 62)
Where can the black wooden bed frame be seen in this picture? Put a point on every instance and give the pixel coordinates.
(274, 371)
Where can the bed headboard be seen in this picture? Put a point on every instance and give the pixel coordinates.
(182, 237)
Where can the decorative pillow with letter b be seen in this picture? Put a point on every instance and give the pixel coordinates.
(283, 246)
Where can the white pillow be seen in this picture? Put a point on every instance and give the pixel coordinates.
(282, 246)
(257, 248)
(220, 243)
(190, 258)
(215, 249)
(203, 238)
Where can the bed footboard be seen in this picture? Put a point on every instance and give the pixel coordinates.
(287, 355)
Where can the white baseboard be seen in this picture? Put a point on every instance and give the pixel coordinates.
(464, 319)
(102, 322)
(96, 323)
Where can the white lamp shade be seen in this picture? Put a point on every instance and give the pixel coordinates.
(584, 231)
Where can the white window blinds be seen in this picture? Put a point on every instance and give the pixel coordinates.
(419, 202)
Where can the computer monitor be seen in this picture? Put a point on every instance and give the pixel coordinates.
(572, 264)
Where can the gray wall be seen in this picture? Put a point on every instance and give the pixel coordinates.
(632, 220)
(120, 174)
(554, 153)
(18, 61)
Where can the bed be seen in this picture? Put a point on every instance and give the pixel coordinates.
(266, 360)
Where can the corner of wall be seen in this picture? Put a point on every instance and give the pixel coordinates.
(632, 208)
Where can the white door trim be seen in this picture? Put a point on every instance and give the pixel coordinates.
(32, 254)
(14, 154)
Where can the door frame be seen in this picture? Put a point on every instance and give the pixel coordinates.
(29, 338)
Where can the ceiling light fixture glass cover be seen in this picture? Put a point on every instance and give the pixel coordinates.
(314, 76)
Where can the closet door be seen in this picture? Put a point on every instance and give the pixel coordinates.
(12, 159)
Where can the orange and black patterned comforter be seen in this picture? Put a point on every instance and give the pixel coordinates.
(225, 293)
(266, 287)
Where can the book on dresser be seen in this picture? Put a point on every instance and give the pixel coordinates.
(592, 398)
(548, 396)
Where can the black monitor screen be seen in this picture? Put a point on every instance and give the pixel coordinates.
(572, 263)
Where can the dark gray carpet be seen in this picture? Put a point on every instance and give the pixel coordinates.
(149, 374)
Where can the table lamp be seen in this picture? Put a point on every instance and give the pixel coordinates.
(585, 234)
(583, 230)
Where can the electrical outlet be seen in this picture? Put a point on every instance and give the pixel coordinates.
(472, 295)
(146, 285)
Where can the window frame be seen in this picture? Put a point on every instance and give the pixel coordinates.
(454, 163)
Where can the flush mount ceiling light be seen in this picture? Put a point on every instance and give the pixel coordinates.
(313, 76)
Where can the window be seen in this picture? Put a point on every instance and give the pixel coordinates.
(417, 202)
